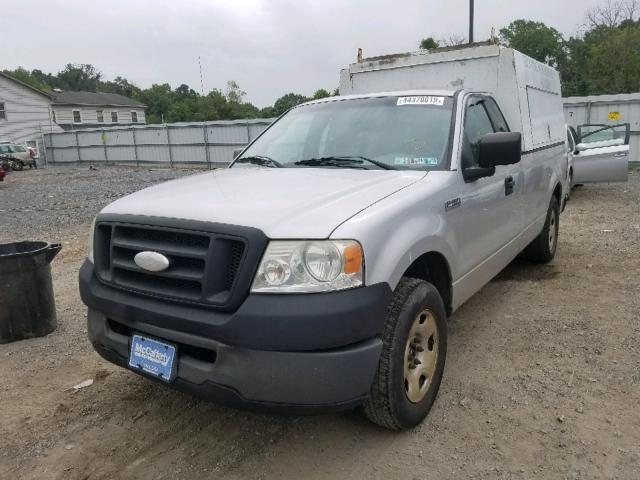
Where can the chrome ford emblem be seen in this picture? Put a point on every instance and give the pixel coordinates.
(151, 261)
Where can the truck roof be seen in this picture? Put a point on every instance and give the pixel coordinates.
(527, 91)
(399, 93)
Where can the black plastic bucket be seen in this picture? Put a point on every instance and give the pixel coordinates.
(27, 306)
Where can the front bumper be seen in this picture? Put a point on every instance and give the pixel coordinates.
(291, 352)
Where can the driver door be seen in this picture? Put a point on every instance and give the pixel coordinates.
(601, 154)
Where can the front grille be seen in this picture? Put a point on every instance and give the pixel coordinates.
(203, 265)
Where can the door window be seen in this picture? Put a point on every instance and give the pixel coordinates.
(477, 124)
(595, 136)
(496, 117)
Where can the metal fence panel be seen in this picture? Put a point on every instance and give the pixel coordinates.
(66, 155)
(151, 135)
(61, 140)
(232, 134)
(89, 139)
(92, 154)
(188, 154)
(186, 135)
(210, 143)
(222, 154)
(121, 153)
(119, 137)
(255, 130)
(153, 153)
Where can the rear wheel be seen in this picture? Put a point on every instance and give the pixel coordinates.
(543, 248)
(413, 357)
(18, 165)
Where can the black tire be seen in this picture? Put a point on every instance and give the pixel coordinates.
(388, 404)
(543, 248)
(18, 165)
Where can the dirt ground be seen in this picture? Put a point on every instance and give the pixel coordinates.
(542, 377)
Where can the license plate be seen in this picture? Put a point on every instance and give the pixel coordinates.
(153, 357)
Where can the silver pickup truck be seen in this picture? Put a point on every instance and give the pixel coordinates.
(318, 271)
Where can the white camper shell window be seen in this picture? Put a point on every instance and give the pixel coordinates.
(76, 116)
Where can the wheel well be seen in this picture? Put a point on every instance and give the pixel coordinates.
(557, 192)
(434, 268)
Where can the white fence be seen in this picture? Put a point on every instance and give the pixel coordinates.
(208, 143)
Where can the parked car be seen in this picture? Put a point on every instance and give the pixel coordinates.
(318, 271)
(20, 155)
(598, 153)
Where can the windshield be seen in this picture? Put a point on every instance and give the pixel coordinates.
(391, 132)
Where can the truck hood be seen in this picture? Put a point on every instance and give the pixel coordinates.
(283, 203)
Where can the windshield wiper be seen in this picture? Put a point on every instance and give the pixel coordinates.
(345, 161)
(261, 160)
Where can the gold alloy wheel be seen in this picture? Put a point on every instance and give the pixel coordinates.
(420, 356)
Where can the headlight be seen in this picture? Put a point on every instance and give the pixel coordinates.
(90, 241)
(309, 266)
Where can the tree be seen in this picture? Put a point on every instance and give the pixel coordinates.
(121, 86)
(428, 43)
(613, 64)
(234, 92)
(322, 93)
(286, 102)
(80, 77)
(158, 99)
(534, 39)
(25, 76)
(613, 14)
(453, 40)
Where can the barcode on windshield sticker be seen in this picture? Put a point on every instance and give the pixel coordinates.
(439, 101)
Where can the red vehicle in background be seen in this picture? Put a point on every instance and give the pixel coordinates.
(2, 174)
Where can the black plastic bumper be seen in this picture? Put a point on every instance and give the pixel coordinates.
(300, 352)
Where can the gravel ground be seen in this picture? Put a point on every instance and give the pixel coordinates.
(542, 377)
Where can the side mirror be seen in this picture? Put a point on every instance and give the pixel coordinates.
(502, 148)
(237, 152)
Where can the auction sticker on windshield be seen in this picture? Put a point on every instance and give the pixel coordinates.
(421, 100)
(153, 357)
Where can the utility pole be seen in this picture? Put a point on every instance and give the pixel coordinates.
(471, 21)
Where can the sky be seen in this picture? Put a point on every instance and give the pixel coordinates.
(269, 47)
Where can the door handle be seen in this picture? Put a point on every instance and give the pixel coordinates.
(509, 184)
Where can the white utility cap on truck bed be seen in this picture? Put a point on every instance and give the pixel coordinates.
(527, 91)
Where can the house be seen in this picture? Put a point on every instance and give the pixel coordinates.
(25, 113)
(77, 110)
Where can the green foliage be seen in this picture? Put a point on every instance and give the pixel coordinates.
(429, 43)
(613, 63)
(605, 60)
(534, 39)
(322, 93)
(164, 104)
(29, 78)
(288, 101)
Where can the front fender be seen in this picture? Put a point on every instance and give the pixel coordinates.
(398, 230)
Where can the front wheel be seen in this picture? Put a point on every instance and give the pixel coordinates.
(412, 359)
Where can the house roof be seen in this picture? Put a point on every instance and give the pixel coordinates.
(94, 99)
(26, 85)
